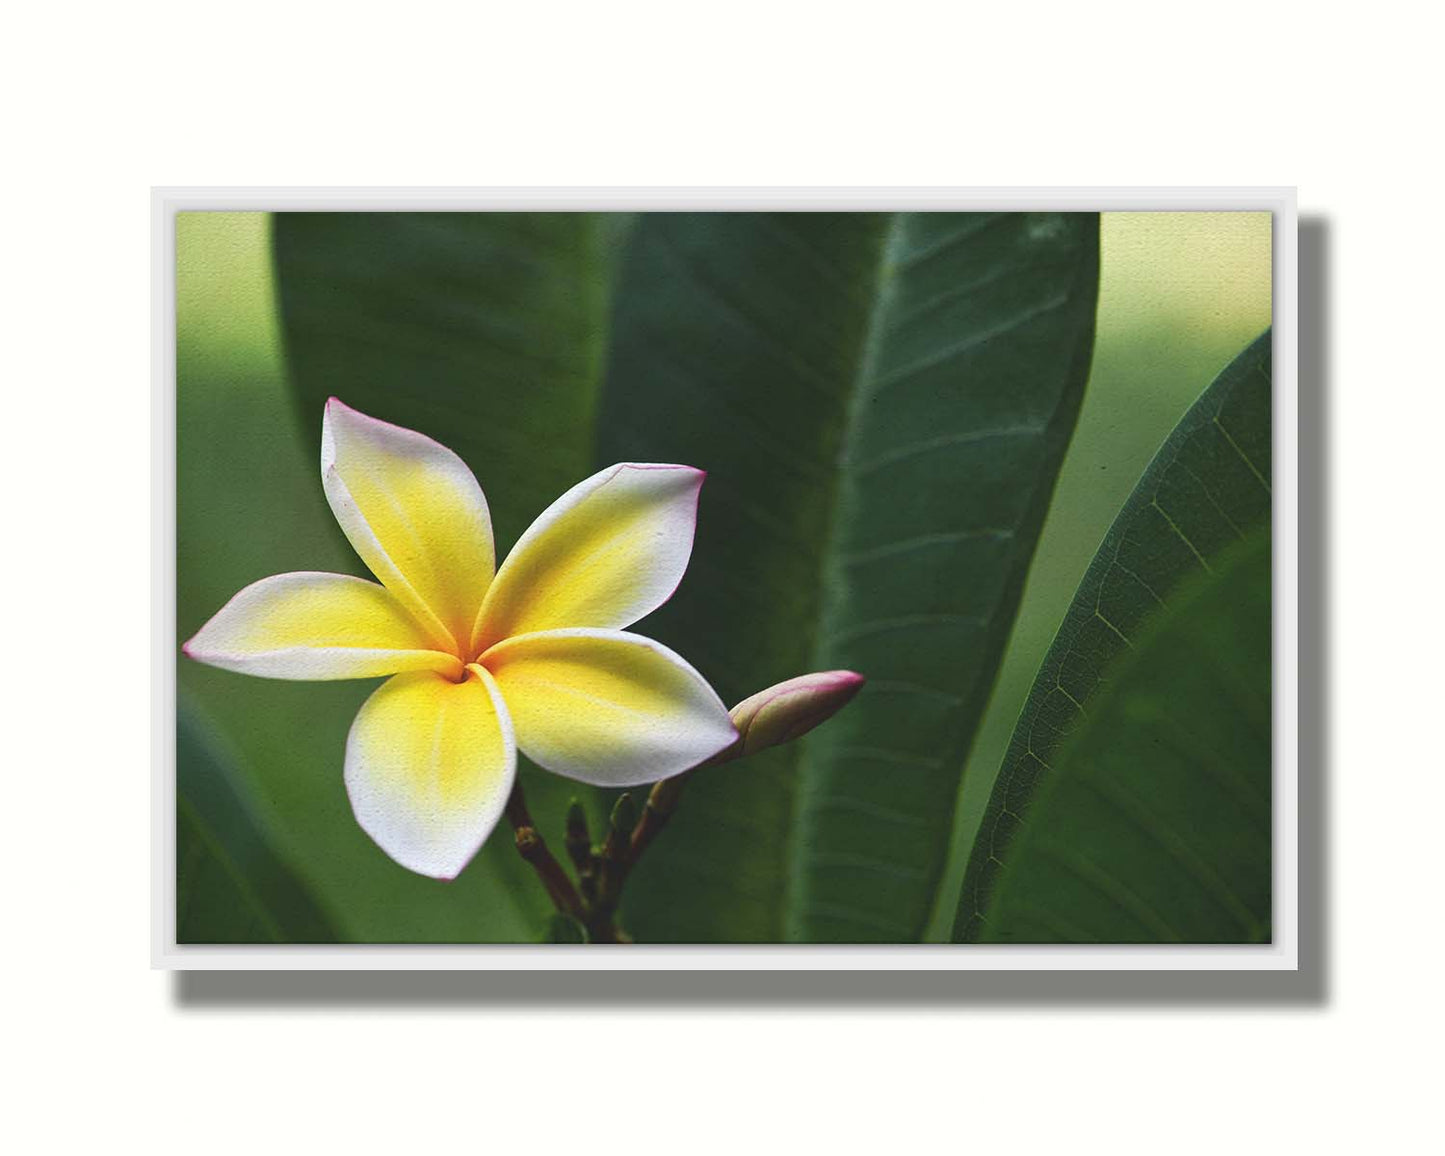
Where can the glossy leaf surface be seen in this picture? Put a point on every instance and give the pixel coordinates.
(1153, 823)
(881, 402)
(1207, 489)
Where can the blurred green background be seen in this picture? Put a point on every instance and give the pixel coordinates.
(1180, 294)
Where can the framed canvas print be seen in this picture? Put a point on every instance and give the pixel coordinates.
(725, 579)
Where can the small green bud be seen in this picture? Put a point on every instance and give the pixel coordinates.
(578, 842)
(624, 815)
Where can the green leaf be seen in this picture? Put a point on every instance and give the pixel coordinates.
(484, 330)
(1207, 489)
(231, 886)
(881, 402)
(249, 504)
(1153, 824)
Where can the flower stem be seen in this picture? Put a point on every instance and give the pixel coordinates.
(661, 802)
(533, 848)
(613, 860)
(602, 870)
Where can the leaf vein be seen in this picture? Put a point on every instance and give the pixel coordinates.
(970, 343)
(944, 441)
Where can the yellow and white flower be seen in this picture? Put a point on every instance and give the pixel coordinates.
(482, 660)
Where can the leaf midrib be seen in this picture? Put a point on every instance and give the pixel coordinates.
(880, 301)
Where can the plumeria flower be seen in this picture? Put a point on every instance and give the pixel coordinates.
(482, 660)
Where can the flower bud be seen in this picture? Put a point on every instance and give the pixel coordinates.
(624, 815)
(791, 709)
(578, 841)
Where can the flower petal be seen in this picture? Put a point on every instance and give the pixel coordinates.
(429, 766)
(610, 550)
(316, 626)
(414, 513)
(607, 707)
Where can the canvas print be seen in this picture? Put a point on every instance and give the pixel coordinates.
(693, 577)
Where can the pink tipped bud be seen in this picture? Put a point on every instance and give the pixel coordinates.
(791, 709)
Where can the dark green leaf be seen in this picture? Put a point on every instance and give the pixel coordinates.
(1207, 488)
(1153, 823)
(882, 402)
(231, 886)
(484, 330)
(249, 504)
